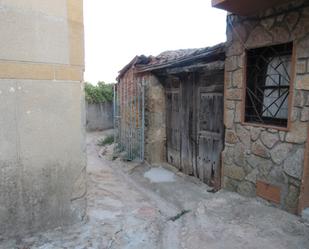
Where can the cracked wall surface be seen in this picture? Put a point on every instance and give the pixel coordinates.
(42, 138)
(257, 153)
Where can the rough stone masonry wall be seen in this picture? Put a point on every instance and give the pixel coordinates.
(42, 142)
(155, 129)
(258, 153)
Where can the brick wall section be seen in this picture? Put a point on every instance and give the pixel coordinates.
(254, 153)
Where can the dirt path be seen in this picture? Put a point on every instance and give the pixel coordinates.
(139, 207)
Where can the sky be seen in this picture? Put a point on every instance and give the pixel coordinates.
(118, 30)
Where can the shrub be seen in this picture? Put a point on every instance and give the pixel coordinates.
(106, 141)
(100, 93)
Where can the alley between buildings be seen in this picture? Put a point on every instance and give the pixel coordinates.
(132, 206)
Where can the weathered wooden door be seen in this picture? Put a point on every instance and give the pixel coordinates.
(173, 132)
(210, 134)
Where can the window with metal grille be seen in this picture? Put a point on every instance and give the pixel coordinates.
(268, 84)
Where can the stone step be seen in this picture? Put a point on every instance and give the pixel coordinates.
(305, 215)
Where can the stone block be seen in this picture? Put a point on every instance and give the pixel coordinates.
(298, 133)
(230, 104)
(302, 82)
(280, 34)
(10, 70)
(267, 23)
(264, 168)
(291, 19)
(299, 98)
(228, 79)
(295, 114)
(304, 116)
(231, 63)
(280, 152)
(238, 78)
(229, 119)
(234, 172)
(68, 73)
(301, 66)
(75, 10)
(230, 184)
(227, 155)
(255, 133)
(302, 45)
(239, 154)
(252, 176)
(55, 8)
(30, 37)
(244, 136)
(234, 94)
(293, 165)
(231, 137)
(247, 189)
(258, 37)
(238, 112)
(277, 177)
(236, 48)
(269, 139)
(76, 39)
(291, 200)
(260, 150)
(282, 135)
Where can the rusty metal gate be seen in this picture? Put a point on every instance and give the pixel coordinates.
(129, 118)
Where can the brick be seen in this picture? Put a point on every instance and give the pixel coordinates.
(268, 192)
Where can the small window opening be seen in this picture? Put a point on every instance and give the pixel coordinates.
(268, 84)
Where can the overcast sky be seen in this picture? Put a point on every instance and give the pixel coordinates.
(117, 30)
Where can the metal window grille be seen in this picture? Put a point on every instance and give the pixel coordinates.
(268, 83)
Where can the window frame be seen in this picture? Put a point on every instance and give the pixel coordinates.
(291, 90)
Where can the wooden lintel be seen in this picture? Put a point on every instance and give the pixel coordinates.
(212, 66)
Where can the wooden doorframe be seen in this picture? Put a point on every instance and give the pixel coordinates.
(304, 190)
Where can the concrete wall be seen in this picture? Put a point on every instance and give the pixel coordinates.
(42, 142)
(274, 156)
(99, 116)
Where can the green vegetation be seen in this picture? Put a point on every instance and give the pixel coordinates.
(99, 93)
(106, 141)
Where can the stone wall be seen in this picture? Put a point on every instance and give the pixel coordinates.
(99, 116)
(269, 154)
(42, 138)
(155, 111)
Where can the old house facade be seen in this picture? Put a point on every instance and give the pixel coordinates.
(264, 66)
(266, 101)
(42, 148)
(183, 109)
